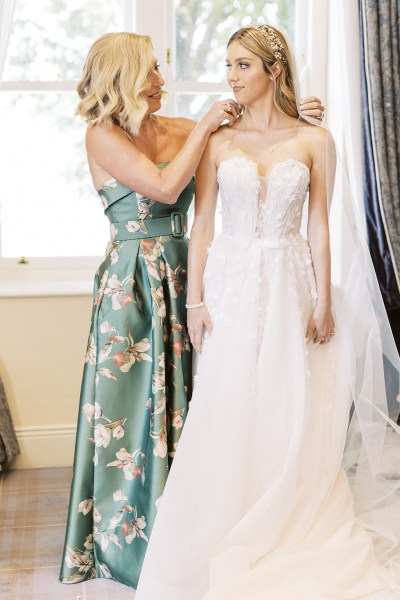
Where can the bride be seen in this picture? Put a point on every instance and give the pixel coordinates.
(272, 494)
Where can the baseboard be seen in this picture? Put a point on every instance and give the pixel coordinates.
(45, 446)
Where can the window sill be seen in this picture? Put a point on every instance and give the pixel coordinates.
(47, 277)
(42, 289)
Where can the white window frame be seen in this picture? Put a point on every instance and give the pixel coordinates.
(65, 276)
(156, 19)
(52, 276)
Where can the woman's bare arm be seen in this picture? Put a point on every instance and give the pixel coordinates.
(111, 150)
(321, 324)
(201, 236)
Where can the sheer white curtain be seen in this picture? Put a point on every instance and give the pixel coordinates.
(328, 41)
(6, 18)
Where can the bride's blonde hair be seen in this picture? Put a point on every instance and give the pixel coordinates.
(114, 77)
(270, 45)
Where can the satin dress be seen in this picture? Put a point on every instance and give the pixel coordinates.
(136, 386)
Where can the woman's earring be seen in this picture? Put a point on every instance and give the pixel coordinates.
(271, 78)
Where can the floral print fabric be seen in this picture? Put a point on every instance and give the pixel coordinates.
(134, 399)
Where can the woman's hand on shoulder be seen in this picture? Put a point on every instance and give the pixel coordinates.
(220, 111)
(198, 320)
(312, 107)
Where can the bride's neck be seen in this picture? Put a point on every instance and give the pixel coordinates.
(262, 116)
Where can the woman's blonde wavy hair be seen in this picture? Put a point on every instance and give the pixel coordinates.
(114, 77)
(257, 42)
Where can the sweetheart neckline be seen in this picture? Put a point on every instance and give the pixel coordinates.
(280, 162)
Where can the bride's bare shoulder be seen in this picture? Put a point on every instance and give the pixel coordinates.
(318, 139)
(223, 135)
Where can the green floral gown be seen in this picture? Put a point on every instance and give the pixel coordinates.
(136, 387)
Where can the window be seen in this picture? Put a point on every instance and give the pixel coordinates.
(47, 202)
(201, 30)
(48, 207)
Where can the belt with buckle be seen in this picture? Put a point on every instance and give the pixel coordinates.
(174, 224)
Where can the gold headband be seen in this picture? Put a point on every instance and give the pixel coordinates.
(277, 47)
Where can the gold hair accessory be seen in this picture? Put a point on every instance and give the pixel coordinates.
(278, 48)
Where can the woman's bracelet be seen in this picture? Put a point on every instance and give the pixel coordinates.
(194, 305)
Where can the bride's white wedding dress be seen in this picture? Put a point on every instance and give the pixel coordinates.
(257, 506)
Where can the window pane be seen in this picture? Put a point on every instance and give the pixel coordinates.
(48, 204)
(49, 40)
(203, 29)
(194, 106)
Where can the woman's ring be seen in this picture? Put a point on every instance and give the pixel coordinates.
(228, 107)
(332, 333)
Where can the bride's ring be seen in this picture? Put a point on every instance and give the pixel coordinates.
(332, 333)
(228, 107)
(322, 339)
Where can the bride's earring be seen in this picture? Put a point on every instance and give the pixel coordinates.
(271, 78)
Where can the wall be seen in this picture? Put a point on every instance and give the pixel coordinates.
(42, 349)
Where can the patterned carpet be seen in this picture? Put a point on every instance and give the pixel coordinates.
(33, 511)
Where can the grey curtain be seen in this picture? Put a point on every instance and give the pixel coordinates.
(380, 31)
(8, 442)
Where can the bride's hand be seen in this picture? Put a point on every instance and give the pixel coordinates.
(312, 107)
(198, 319)
(321, 327)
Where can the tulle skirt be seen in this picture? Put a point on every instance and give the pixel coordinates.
(272, 494)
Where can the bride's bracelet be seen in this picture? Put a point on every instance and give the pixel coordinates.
(194, 305)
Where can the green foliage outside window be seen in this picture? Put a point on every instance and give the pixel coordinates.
(204, 27)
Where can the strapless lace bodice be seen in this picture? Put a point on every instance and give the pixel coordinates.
(268, 207)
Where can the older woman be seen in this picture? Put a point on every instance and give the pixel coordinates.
(137, 379)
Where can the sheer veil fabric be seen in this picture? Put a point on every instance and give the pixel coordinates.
(286, 481)
(371, 457)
